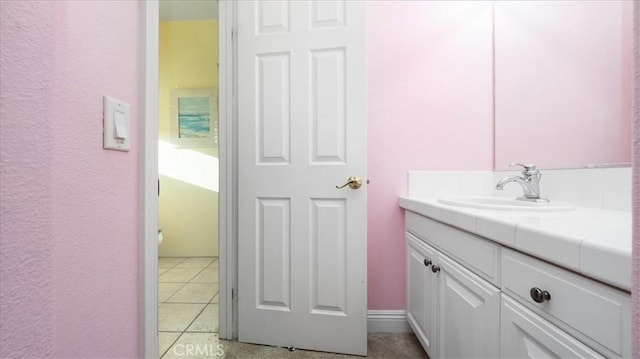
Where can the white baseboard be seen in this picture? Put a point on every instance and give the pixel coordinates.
(387, 321)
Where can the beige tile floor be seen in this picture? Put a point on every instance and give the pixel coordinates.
(188, 306)
(188, 320)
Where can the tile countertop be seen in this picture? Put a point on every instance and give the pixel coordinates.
(593, 242)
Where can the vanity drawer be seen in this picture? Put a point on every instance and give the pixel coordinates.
(477, 254)
(597, 314)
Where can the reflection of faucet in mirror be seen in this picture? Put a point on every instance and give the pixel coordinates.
(530, 182)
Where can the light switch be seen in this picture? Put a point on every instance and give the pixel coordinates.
(117, 121)
(120, 123)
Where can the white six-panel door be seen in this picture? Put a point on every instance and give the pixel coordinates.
(302, 131)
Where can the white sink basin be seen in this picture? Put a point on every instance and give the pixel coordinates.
(505, 204)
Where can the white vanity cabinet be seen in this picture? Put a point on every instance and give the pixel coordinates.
(448, 305)
(421, 291)
(526, 335)
(469, 297)
(597, 315)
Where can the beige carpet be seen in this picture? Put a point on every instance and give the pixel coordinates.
(392, 346)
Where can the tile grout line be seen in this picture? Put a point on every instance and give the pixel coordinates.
(183, 259)
(176, 292)
(197, 274)
(200, 312)
(194, 319)
(172, 344)
(198, 315)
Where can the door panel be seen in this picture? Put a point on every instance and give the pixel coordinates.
(326, 14)
(274, 242)
(328, 106)
(273, 16)
(302, 241)
(329, 239)
(273, 104)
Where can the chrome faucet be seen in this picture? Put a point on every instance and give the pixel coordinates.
(530, 182)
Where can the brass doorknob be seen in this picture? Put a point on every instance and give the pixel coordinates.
(353, 182)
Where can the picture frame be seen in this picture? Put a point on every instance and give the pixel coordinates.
(194, 117)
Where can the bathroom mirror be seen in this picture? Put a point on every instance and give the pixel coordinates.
(563, 83)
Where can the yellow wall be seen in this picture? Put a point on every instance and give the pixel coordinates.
(188, 208)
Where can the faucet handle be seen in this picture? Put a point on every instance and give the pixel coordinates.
(529, 169)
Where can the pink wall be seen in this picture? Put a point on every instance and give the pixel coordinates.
(27, 314)
(429, 108)
(561, 70)
(69, 208)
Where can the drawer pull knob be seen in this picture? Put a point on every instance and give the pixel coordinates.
(427, 262)
(539, 295)
(435, 269)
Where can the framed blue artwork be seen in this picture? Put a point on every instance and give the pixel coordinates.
(194, 117)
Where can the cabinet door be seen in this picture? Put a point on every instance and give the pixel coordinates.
(524, 334)
(420, 291)
(468, 310)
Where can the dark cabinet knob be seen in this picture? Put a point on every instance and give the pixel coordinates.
(435, 269)
(427, 262)
(538, 295)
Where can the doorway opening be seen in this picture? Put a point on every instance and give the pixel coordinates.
(188, 167)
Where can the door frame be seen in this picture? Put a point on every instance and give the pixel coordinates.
(149, 15)
(228, 195)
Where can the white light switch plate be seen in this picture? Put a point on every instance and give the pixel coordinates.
(117, 140)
